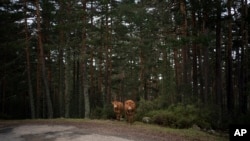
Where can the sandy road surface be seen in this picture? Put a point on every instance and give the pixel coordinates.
(52, 130)
(52, 133)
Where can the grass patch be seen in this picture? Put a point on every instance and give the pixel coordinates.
(190, 133)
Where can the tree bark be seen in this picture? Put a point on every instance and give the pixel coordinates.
(194, 51)
(31, 97)
(84, 63)
(184, 54)
(42, 59)
(68, 83)
(243, 98)
(229, 83)
(107, 58)
(218, 83)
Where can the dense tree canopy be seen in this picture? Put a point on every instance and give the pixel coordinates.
(64, 58)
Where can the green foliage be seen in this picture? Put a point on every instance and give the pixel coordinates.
(97, 113)
(143, 108)
(105, 112)
(163, 117)
(175, 116)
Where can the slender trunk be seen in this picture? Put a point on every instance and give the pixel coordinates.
(142, 88)
(107, 66)
(3, 91)
(229, 83)
(31, 98)
(61, 74)
(184, 34)
(204, 51)
(68, 83)
(61, 86)
(218, 83)
(42, 59)
(78, 89)
(243, 78)
(84, 64)
(92, 61)
(39, 97)
(184, 50)
(194, 51)
(108, 50)
(100, 75)
(177, 68)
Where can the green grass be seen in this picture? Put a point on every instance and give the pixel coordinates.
(190, 134)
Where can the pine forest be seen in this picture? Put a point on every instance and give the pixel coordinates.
(183, 62)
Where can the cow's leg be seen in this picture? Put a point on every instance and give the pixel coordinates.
(131, 119)
(118, 117)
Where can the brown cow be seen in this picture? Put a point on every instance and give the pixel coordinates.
(129, 110)
(118, 109)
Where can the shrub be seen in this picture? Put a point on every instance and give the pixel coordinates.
(179, 116)
(105, 112)
(97, 113)
(163, 117)
(184, 123)
(143, 107)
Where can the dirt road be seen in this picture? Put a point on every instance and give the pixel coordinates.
(52, 133)
(90, 130)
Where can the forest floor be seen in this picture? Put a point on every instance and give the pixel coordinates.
(95, 130)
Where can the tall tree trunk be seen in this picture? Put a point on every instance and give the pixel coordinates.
(205, 51)
(42, 59)
(39, 97)
(60, 61)
(61, 78)
(194, 51)
(229, 82)
(243, 78)
(68, 82)
(84, 63)
(108, 50)
(218, 83)
(142, 87)
(185, 61)
(177, 68)
(92, 90)
(31, 97)
(61, 71)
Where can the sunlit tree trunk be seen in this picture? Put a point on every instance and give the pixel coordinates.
(42, 59)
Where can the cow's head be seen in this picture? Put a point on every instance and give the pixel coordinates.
(117, 106)
(130, 110)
